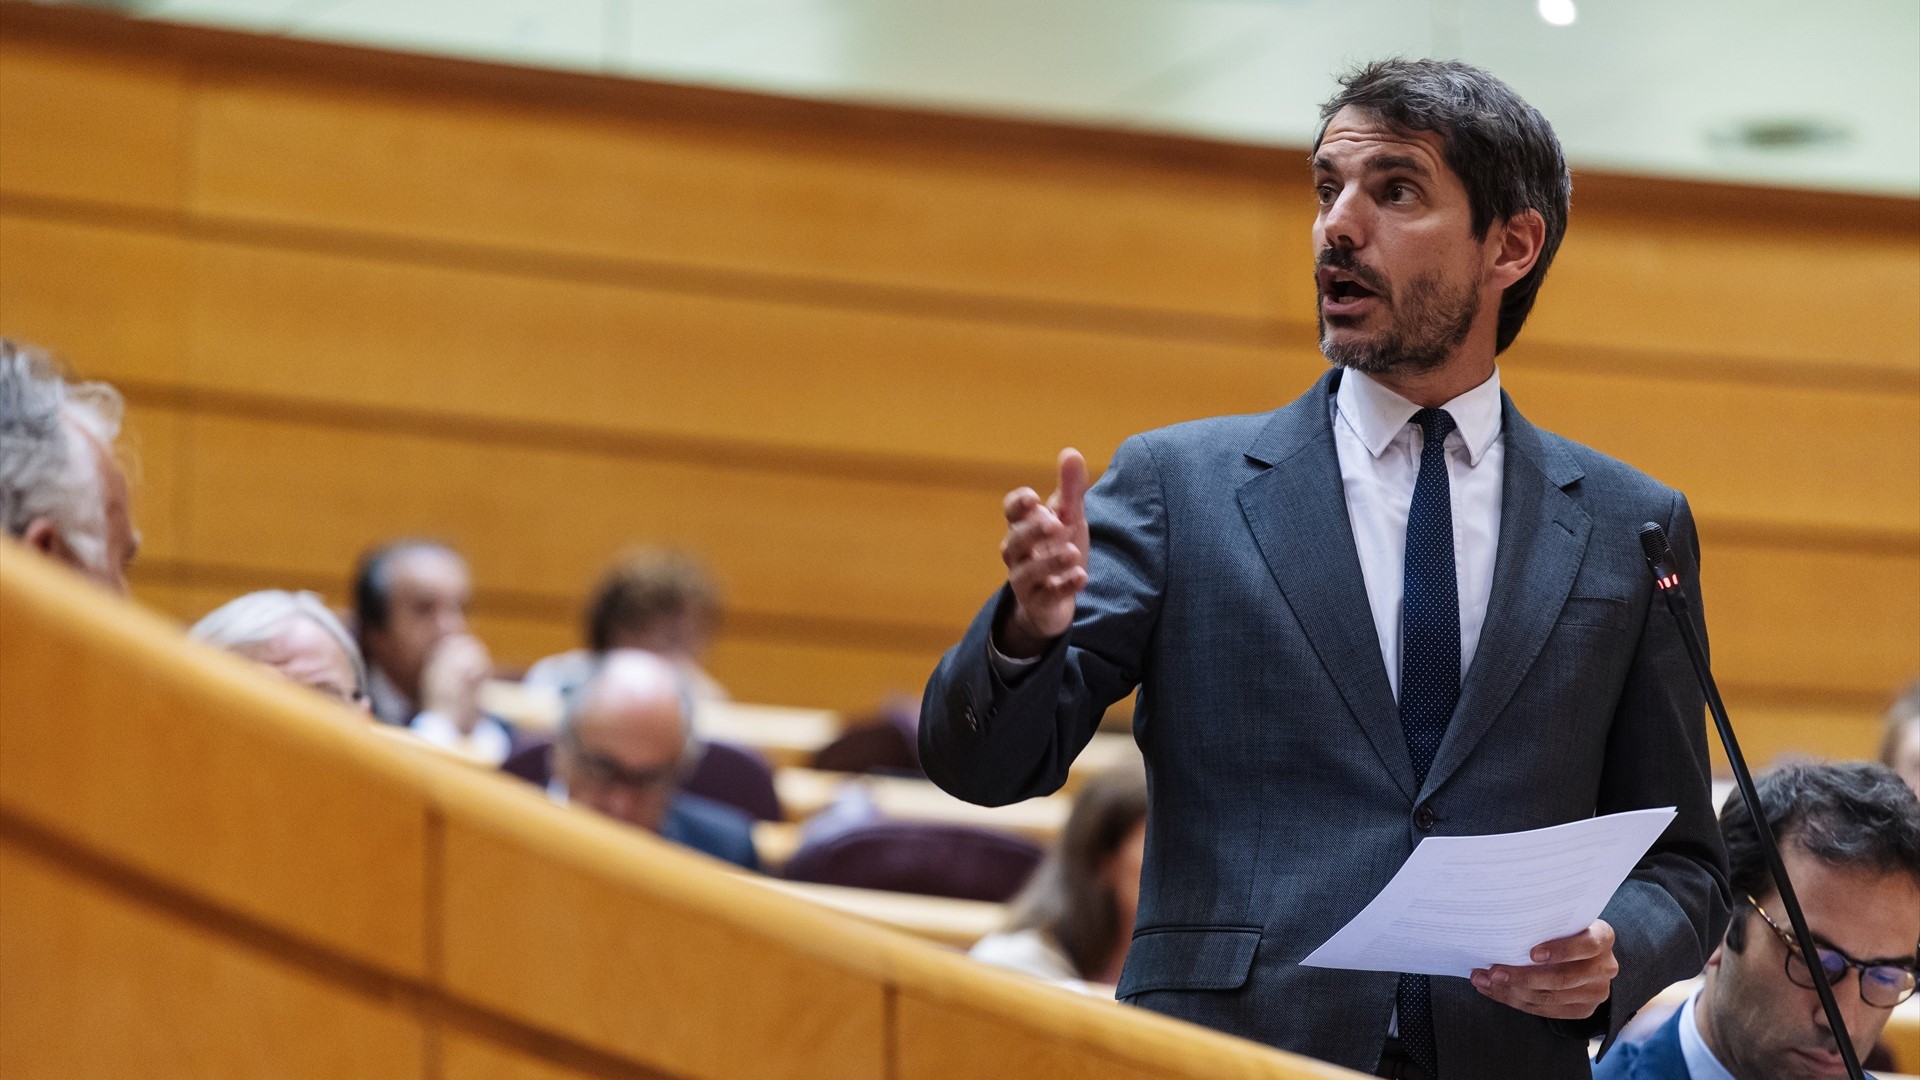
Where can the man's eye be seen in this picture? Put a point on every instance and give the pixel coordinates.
(1324, 193)
(1400, 193)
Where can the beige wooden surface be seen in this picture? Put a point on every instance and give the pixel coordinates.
(943, 919)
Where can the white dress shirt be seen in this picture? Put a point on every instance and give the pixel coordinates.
(1379, 449)
(1701, 1063)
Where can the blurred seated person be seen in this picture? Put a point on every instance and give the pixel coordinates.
(626, 742)
(1900, 748)
(662, 602)
(1073, 921)
(294, 634)
(424, 670)
(1849, 835)
(62, 493)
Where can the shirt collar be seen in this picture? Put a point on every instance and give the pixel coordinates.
(1701, 1064)
(389, 704)
(1377, 414)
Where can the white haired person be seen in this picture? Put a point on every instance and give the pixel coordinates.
(294, 634)
(62, 493)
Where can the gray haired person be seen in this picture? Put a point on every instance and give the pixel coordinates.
(62, 493)
(293, 633)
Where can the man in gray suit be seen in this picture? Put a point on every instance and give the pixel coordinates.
(1392, 609)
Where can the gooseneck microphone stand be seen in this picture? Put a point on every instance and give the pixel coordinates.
(1666, 579)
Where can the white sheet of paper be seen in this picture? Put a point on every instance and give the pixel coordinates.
(1463, 902)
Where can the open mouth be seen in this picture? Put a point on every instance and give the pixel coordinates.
(1341, 290)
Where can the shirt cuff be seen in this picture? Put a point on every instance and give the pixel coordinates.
(1010, 668)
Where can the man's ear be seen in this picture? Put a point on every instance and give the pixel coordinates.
(43, 536)
(1521, 239)
(1713, 961)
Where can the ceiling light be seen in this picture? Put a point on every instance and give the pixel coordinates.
(1557, 12)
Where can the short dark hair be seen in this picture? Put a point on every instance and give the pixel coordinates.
(372, 591)
(1858, 815)
(1503, 150)
(646, 585)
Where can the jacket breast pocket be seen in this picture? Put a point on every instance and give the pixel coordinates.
(1604, 611)
(1189, 958)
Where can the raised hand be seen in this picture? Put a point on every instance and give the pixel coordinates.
(1046, 555)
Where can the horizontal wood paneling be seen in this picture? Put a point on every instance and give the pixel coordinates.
(569, 359)
(87, 123)
(98, 985)
(116, 302)
(809, 201)
(1783, 291)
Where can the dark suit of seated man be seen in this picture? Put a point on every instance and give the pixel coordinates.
(626, 742)
(1850, 839)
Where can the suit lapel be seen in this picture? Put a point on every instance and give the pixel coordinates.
(1543, 537)
(1297, 511)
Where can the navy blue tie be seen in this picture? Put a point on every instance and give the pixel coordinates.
(1429, 670)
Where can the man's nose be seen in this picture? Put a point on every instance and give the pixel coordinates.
(1344, 223)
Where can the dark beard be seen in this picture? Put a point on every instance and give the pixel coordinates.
(1429, 321)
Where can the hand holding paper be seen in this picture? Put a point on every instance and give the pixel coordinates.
(1463, 903)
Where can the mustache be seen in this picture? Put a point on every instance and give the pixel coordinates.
(1343, 259)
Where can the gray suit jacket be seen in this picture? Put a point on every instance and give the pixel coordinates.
(1224, 584)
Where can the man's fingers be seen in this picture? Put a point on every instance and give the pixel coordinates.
(1069, 499)
(1019, 503)
(1026, 536)
(1595, 940)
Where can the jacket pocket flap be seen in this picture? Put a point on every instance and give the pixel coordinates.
(1189, 958)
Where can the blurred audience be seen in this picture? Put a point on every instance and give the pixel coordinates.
(1850, 838)
(1900, 746)
(294, 634)
(1074, 920)
(662, 602)
(424, 669)
(62, 493)
(625, 746)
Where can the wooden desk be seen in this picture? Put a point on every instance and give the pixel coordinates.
(958, 923)
(785, 736)
(805, 792)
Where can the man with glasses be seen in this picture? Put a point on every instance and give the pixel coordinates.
(1850, 837)
(625, 744)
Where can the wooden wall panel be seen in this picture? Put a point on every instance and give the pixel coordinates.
(889, 556)
(807, 200)
(528, 909)
(1752, 454)
(506, 346)
(98, 985)
(542, 521)
(79, 122)
(335, 856)
(113, 302)
(1769, 292)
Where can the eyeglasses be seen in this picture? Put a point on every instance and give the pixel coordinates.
(1881, 985)
(604, 771)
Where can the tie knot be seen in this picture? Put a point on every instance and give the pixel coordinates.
(1437, 423)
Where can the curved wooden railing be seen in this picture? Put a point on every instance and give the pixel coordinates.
(206, 871)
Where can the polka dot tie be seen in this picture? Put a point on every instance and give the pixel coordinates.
(1429, 670)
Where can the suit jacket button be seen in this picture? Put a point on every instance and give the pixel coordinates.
(1423, 818)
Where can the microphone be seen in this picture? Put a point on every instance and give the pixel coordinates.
(1667, 581)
